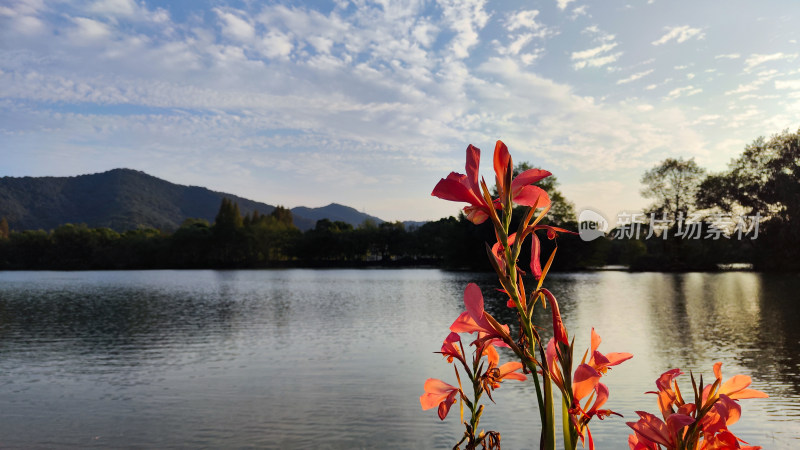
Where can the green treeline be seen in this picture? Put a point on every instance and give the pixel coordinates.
(255, 240)
(749, 213)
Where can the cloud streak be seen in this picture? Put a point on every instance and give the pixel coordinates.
(679, 34)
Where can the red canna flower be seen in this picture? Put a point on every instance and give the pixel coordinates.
(559, 331)
(636, 442)
(522, 191)
(650, 428)
(474, 318)
(536, 246)
(494, 375)
(602, 362)
(581, 418)
(717, 408)
(466, 188)
(735, 387)
(667, 396)
(508, 371)
(438, 393)
(450, 349)
(584, 379)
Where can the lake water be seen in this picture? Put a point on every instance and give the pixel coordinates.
(337, 358)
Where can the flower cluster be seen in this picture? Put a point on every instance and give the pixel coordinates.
(485, 375)
(546, 367)
(584, 382)
(698, 425)
(701, 424)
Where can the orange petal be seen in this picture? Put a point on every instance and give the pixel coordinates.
(584, 381)
(501, 162)
(559, 332)
(464, 324)
(509, 371)
(536, 250)
(529, 177)
(473, 300)
(531, 196)
(473, 164)
(491, 355)
(595, 341)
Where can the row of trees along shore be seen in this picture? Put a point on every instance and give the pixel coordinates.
(764, 180)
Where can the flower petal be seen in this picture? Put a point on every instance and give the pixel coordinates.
(536, 250)
(651, 428)
(529, 177)
(444, 406)
(465, 324)
(435, 392)
(454, 188)
(508, 371)
(473, 164)
(615, 358)
(596, 340)
(559, 332)
(501, 162)
(491, 355)
(584, 380)
(473, 300)
(531, 196)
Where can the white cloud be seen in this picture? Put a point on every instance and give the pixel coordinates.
(685, 91)
(592, 29)
(425, 33)
(758, 59)
(787, 84)
(562, 4)
(593, 52)
(522, 29)
(679, 34)
(580, 11)
(27, 25)
(761, 78)
(635, 76)
(523, 19)
(728, 56)
(89, 30)
(516, 46)
(114, 7)
(743, 88)
(592, 57)
(530, 58)
(129, 10)
(466, 18)
(235, 27)
(706, 119)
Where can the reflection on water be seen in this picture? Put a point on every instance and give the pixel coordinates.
(337, 358)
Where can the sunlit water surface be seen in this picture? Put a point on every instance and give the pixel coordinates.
(337, 358)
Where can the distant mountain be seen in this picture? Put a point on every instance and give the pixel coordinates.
(122, 199)
(334, 212)
(413, 224)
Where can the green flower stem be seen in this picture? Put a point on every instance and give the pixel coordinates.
(570, 443)
(549, 425)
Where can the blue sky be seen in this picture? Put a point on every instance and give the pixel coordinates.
(371, 103)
